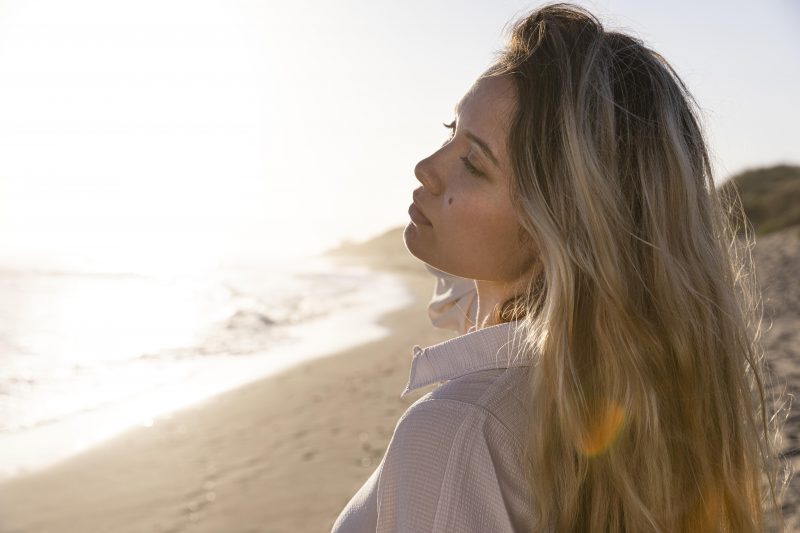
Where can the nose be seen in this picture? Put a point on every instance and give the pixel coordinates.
(426, 175)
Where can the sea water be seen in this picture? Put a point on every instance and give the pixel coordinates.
(85, 356)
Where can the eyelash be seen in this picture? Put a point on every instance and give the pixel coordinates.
(470, 167)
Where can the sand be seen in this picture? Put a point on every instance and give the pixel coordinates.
(777, 259)
(286, 453)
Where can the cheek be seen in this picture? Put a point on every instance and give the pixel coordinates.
(482, 232)
(478, 237)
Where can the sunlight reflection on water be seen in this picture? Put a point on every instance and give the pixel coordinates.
(86, 356)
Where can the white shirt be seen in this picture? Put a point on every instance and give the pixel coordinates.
(453, 463)
(454, 304)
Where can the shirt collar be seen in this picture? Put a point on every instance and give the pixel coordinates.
(479, 349)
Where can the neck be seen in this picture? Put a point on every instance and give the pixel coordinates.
(491, 297)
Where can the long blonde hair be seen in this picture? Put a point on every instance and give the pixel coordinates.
(648, 390)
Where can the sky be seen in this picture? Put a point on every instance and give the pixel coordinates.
(152, 135)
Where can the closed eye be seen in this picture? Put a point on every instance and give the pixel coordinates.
(470, 167)
(464, 159)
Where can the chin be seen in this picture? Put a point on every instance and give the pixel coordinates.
(411, 240)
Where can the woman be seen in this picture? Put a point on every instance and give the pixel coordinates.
(607, 377)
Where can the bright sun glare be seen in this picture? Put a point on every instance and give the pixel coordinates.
(132, 133)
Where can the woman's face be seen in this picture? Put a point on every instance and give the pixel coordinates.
(471, 229)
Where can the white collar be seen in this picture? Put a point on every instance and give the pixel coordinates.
(479, 349)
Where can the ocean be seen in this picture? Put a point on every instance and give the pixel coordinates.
(86, 356)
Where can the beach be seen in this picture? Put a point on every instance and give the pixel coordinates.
(286, 453)
(281, 454)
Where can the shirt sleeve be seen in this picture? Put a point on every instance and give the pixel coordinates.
(454, 304)
(451, 466)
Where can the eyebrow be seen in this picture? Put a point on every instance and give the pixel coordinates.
(477, 140)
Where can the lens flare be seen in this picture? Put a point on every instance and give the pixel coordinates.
(604, 432)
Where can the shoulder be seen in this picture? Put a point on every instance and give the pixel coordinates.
(479, 406)
(451, 465)
(431, 422)
(499, 397)
(442, 417)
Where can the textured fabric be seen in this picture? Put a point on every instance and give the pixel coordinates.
(453, 463)
(454, 304)
(483, 349)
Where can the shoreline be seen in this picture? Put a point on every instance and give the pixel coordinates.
(287, 452)
(49, 440)
(282, 453)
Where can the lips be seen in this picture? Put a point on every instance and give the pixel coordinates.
(417, 216)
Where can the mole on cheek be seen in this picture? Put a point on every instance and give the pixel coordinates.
(450, 201)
